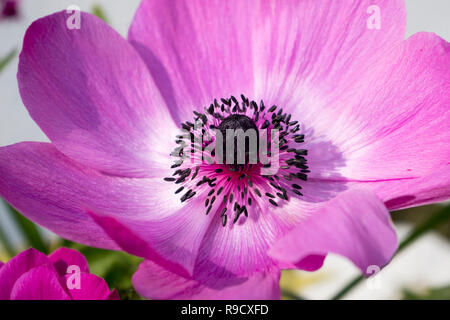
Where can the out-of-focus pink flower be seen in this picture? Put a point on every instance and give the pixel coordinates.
(363, 113)
(63, 275)
(9, 8)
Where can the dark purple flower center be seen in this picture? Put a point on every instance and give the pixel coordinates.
(268, 170)
(235, 122)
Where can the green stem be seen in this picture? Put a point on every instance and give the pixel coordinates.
(348, 287)
(433, 221)
(7, 59)
(291, 295)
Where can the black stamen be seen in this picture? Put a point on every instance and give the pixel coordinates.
(224, 220)
(179, 190)
(230, 113)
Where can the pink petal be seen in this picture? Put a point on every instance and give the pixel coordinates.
(355, 225)
(173, 241)
(40, 283)
(55, 192)
(398, 123)
(198, 246)
(91, 288)
(195, 52)
(92, 95)
(305, 50)
(114, 295)
(241, 249)
(154, 282)
(311, 263)
(429, 189)
(265, 49)
(65, 257)
(16, 267)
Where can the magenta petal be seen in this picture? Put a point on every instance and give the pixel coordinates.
(132, 243)
(55, 192)
(33, 276)
(51, 190)
(172, 241)
(91, 288)
(65, 257)
(92, 95)
(154, 282)
(429, 189)
(355, 225)
(40, 283)
(17, 266)
(114, 295)
(311, 263)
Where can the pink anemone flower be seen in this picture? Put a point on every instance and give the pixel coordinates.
(63, 275)
(363, 119)
(9, 9)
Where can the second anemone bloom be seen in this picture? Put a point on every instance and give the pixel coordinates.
(363, 117)
(9, 9)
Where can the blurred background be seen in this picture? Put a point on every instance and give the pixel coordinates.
(420, 271)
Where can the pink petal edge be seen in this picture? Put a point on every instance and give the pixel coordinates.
(356, 225)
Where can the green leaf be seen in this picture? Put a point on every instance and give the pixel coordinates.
(429, 294)
(28, 230)
(98, 11)
(7, 59)
(6, 244)
(433, 221)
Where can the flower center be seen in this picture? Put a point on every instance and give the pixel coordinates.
(228, 128)
(239, 155)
